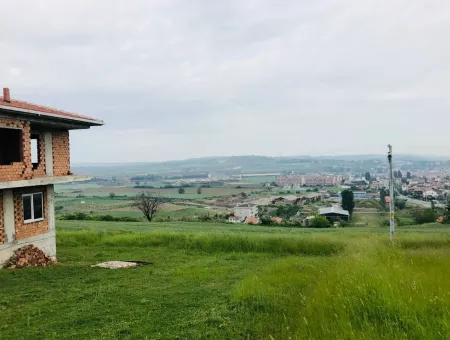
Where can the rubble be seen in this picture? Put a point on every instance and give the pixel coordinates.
(28, 256)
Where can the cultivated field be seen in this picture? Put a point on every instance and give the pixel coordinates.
(223, 281)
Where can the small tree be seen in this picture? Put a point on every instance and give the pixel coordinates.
(383, 194)
(320, 222)
(181, 191)
(199, 190)
(112, 195)
(447, 212)
(348, 202)
(400, 204)
(424, 216)
(148, 204)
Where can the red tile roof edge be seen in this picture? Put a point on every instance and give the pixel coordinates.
(19, 105)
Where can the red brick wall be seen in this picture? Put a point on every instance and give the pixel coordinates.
(25, 230)
(18, 170)
(61, 153)
(2, 223)
(24, 170)
(40, 170)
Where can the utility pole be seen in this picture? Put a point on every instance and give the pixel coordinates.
(391, 196)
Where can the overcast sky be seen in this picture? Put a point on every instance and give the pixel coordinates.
(181, 79)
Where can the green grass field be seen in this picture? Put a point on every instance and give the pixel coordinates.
(189, 194)
(223, 281)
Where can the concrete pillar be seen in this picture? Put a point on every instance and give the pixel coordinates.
(51, 207)
(8, 215)
(48, 141)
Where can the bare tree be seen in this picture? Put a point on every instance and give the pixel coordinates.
(148, 204)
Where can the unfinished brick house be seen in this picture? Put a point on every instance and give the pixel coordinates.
(34, 156)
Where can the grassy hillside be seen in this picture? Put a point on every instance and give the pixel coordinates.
(225, 281)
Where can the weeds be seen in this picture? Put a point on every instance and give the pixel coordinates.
(209, 243)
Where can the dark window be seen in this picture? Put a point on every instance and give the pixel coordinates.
(33, 207)
(37, 206)
(27, 215)
(10, 146)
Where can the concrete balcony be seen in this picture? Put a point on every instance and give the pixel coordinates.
(42, 181)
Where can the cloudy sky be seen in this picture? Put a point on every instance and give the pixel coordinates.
(180, 79)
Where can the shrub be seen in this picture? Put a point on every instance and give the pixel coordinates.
(424, 216)
(286, 211)
(80, 216)
(320, 222)
(400, 203)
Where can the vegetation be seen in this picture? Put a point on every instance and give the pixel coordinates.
(400, 203)
(348, 202)
(148, 204)
(424, 216)
(80, 216)
(383, 194)
(447, 212)
(224, 281)
(286, 211)
(319, 222)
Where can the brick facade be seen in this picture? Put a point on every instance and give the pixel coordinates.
(18, 170)
(25, 230)
(40, 170)
(2, 223)
(24, 170)
(61, 153)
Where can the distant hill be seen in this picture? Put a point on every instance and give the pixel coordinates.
(235, 165)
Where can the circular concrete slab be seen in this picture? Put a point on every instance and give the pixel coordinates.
(116, 265)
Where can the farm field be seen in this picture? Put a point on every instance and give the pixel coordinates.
(224, 281)
(118, 201)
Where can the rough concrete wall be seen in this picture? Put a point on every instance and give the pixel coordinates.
(24, 230)
(2, 223)
(61, 153)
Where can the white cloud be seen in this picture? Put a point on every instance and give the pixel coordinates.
(175, 79)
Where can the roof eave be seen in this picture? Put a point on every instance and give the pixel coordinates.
(82, 120)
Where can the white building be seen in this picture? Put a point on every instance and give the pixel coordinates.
(241, 212)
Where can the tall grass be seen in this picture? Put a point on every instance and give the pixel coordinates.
(372, 291)
(207, 242)
(271, 302)
(430, 242)
(222, 282)
(382, 293)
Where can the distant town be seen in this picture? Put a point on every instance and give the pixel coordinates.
(262, 190)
